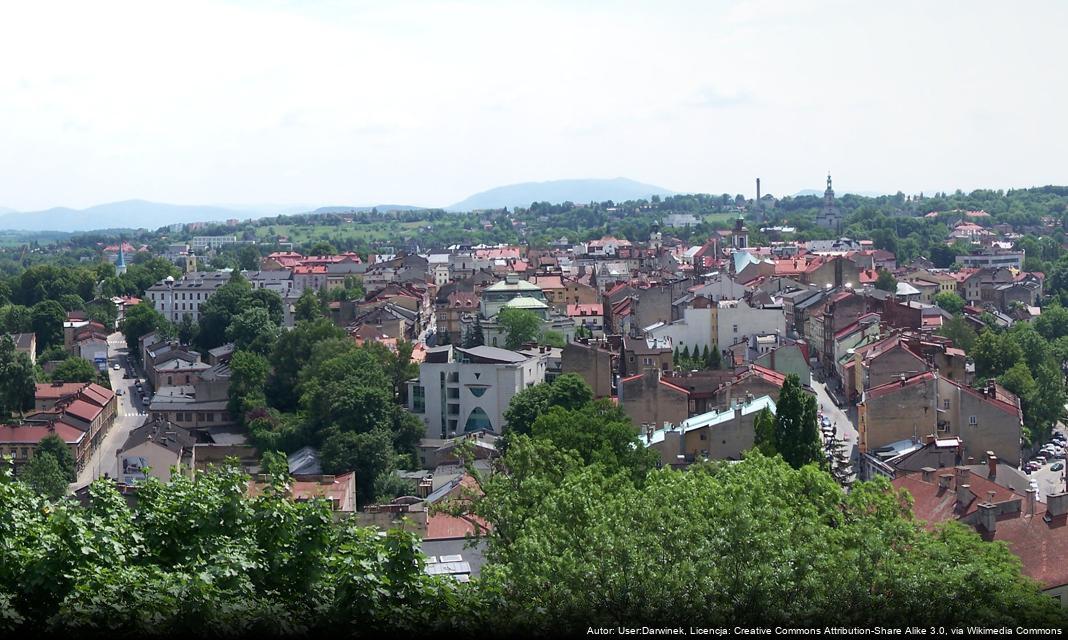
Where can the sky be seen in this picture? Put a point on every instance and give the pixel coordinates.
(424, 103)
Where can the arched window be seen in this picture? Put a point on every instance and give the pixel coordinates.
(478, 421)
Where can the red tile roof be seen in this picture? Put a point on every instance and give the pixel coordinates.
(892, 387)
(57, 390)
(1037, 543)
(83, 410)
(32, 434)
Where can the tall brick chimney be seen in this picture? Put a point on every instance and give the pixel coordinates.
(991, 465)
(988, 516)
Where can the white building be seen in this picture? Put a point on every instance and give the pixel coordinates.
(200, 244)
(466, 390)
(719, 324)
(178, 298)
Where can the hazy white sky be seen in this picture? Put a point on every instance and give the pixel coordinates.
(427, 102)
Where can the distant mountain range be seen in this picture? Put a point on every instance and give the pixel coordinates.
(556, 191)
(130, 214)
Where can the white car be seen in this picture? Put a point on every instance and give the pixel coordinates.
(116, 366)
(118, 392)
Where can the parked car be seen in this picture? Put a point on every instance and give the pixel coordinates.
(1040, 459)
(1032, 466)
(116, 366)
(118, 392)
(1057, 466)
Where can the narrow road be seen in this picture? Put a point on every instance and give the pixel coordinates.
(845, 429)
(129, 416)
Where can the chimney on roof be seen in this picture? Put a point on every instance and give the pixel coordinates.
(944, 481)
(1057, 503)
(964, 494)
(991, 465)
(930, 439)
(1032, 497)
(988, 516)
(928, 473)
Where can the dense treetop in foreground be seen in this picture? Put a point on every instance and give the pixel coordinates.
(571, 544)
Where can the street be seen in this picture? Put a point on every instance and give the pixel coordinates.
(128, 416)
(1049, 481)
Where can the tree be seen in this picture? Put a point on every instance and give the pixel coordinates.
(753, 543)
(599, 433)
(47, 318)
(525, 407)
(17, 379)
(141, 320)
(216, 314)
(949, 301)
(54, 446)
(553, 339)
(1053, 323)
(45, 476)
(248, 258)
(322, 249)
(520, 326)
(796, 431)
(291, 354)
(307, 307)
(248, 378)
(187, 330)
(994, 353)
(960, 331)
(764, 432)
(199, 557)
(474, 338)
(886, 281)
(369, 454)
(270, 301)
(570, 391)
(74, 370)
(253, 330)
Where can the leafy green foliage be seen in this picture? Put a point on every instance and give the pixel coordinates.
(520, 326)
(886, 281)
(141, 320)
(755, 543)
(45, 476)
(17, 379)
(949, 301)
(200, 558)
(796, 434)
(74, 370)
(52, 445)
(46, 318)
(568, 391)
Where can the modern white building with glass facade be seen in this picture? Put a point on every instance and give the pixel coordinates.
(467, 390)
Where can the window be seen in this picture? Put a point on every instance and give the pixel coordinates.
(452, 393)
(454, 409)
(418, 399)
(209, 417)
(478, 421)
(945, 404)
(973, 420)
(735, 328)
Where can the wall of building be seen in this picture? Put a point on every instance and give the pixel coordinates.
(592, 363)
(788, 359)
(995, 429)
(736, 323)
(647, 401)
(900, 415)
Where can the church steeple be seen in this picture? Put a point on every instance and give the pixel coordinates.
(120, 261)
(829, 193)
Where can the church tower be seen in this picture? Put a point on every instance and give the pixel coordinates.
(829, 217)
(120, 261)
